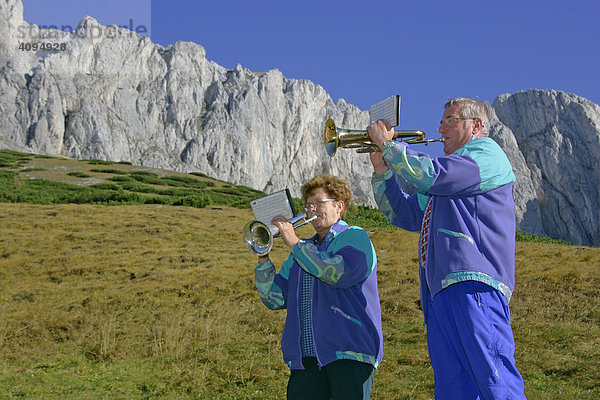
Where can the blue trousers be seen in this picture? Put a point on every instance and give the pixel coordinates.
(471, 344)
(339, 380)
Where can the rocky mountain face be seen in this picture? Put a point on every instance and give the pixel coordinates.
(108, 93)
(558, 135)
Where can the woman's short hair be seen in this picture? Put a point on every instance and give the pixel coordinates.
(336, 187)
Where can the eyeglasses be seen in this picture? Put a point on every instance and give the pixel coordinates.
(309, 205)
(451, 121)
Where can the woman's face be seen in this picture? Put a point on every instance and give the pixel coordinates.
(328, 212)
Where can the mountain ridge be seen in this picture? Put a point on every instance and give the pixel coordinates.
(124, 98)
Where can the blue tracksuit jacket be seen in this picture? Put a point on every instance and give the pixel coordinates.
(464, 211)
(346, 313)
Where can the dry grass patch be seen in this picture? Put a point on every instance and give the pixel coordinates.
(159, 302)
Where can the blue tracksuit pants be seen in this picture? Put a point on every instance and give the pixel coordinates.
(471, 344)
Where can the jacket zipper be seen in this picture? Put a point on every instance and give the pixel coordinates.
(428, 208)
(312, 322)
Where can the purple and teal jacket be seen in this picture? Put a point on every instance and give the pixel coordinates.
(346, 313)
(464, 211)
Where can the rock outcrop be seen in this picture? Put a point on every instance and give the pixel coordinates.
(558, 135)
(109, 93)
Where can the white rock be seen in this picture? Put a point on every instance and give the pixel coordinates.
(118, 96)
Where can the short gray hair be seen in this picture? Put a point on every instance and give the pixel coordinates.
(472, 108)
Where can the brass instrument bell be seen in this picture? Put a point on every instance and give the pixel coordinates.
(335, 138)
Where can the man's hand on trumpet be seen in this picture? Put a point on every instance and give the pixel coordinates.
(379, 132)
(379, 165)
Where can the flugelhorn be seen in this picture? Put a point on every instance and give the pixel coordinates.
(258, 237)
(359, 139)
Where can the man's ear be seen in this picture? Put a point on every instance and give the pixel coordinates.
(477, 127)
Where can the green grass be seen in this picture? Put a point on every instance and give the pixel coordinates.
(61, 181)
(530, 237)
(132, 185)
(156, 301)
(108, 171)
(152, 301)
(78, 174)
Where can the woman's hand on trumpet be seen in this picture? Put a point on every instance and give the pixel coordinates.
(286, 229)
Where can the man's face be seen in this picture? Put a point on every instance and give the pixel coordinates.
(456, 132)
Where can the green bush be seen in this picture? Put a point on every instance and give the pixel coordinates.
(106, 186)
(144, 173)
(194, 200)
(178, 192)
(120, 179)
(182, 179)
(166, 200)
(149, 178)
(105, 197)
(6, 185)
(367, 218)
(241, 191)
(33, 169)
(530, 237)
(137, 187)
(41, 191)
(108, 171)
(11, 159)
(99, 162)
(79, 174)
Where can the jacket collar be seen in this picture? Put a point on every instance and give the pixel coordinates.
(336, 228)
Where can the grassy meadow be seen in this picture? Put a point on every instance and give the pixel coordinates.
(115, 296)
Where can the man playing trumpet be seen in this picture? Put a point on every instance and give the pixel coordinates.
(332, 337)
(464, 211)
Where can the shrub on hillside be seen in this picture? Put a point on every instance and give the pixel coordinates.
(194, 200)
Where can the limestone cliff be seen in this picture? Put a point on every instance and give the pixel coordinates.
(108, 93)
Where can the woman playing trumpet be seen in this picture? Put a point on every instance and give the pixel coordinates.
(332, 339)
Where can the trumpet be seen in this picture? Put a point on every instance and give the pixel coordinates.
(359, 139)
(258, 237)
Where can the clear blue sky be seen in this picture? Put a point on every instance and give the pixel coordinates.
(364, 51)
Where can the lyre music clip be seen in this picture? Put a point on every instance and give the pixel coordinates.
(388, 109)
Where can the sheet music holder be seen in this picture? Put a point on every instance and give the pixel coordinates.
(388, 109)
(272, 205)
